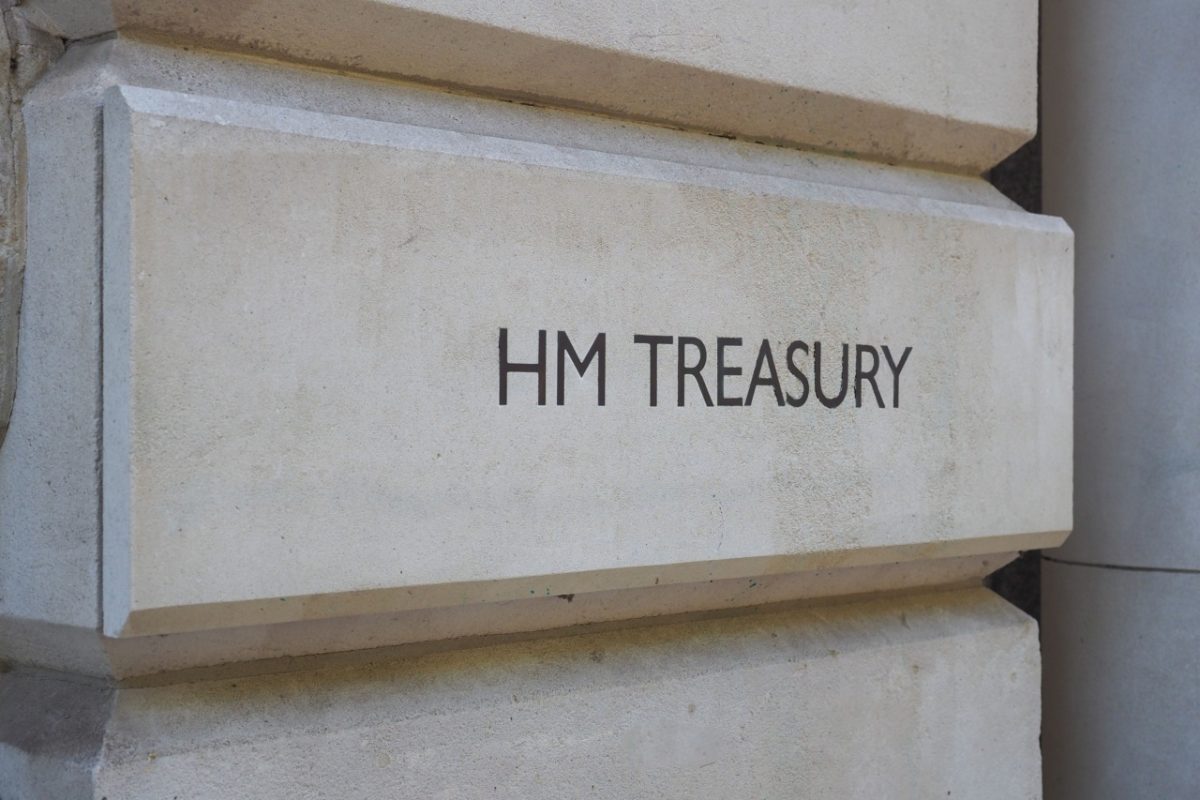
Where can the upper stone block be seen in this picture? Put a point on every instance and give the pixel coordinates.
(932, 82)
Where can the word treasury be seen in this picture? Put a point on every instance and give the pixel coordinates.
(694, 372)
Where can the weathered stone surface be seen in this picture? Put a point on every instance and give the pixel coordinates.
(917, 697)
(935, 81)
(301, 324)
(49, 478)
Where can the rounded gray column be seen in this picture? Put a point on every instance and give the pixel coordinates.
(1121, 600)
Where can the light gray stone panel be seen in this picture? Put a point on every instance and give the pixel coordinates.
(49, 461)
(301, 416)
(1122, 682)
(1123, 167)
(52, 619)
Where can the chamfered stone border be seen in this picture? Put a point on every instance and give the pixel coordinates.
(931, 83)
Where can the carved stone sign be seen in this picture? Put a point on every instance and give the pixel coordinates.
(690, 370)
(358, 365)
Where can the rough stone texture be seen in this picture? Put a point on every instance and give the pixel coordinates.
(1122, 696)
(930, 82)
(857, 700)
(328, 369)
(24, 54)
(49, 483)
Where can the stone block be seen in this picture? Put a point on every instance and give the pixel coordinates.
(309, 413)
(930, 82)
(913, 697)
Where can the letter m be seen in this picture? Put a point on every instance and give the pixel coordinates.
(596, 351)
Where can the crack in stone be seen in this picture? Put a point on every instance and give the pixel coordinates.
(1124, 567)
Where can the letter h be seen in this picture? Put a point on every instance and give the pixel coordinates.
(506, 367)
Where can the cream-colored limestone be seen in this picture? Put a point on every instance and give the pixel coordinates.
(300, 382)
(48, 480)
(919, 697)
(936, 81)
(298, 278)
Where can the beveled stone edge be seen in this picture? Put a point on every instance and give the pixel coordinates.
(932, 140)
(124, 616)
(253, 649)
(133, 99)
(131, 621)
(85, 70)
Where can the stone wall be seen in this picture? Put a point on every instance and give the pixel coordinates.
(459, 400)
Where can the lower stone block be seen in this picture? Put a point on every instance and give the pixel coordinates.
(932, 695)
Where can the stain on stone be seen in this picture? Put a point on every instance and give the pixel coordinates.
(44, 714)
